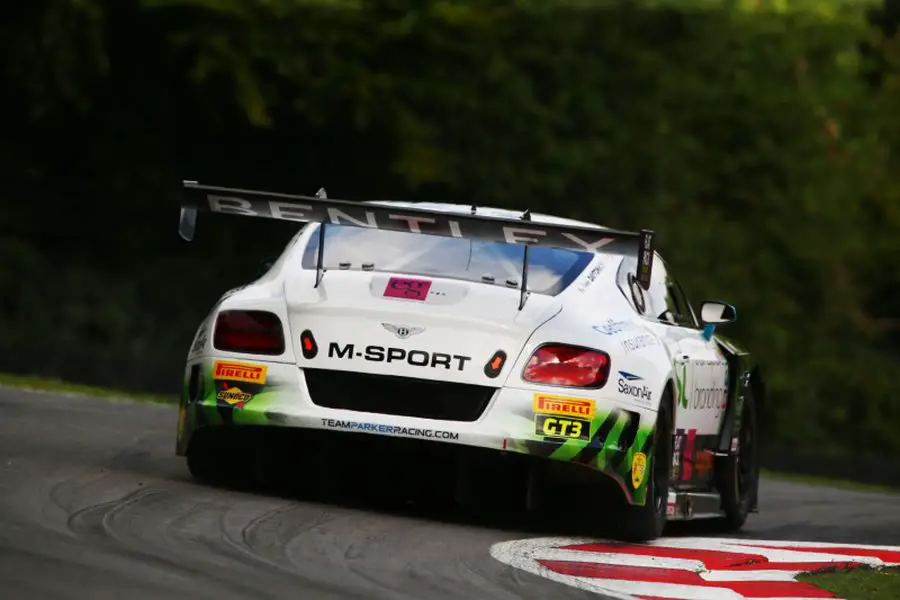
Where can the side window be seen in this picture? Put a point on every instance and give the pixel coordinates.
(658, 306)
(681, 309)
(664, 301)
(686, 316)
(667, 301)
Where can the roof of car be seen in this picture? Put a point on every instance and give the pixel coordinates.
(488, 211)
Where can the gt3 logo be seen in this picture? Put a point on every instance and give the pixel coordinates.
(549, 426)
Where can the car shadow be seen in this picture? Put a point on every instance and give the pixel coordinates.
(430, 481)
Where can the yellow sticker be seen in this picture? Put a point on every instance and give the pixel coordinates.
(235, 396)
(580, 408)
(638, 469)
(238, 371)
(550, 426)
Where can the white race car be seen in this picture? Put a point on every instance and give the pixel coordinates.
(476, 329)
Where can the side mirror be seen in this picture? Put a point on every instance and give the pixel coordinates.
(717, 313)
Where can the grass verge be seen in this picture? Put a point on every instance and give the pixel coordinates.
(833, 483)
(44, 384)
(858, 584)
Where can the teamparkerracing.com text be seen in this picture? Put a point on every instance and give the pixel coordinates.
(433, 434)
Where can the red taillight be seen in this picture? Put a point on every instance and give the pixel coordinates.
(568, 366)
(250, 331)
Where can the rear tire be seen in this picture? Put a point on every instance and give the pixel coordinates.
(211, 459)
(739, 479)
(204, 466)
(645, 523)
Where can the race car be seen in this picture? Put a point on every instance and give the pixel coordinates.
(561, 342)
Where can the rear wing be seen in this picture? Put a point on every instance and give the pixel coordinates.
(304, 209)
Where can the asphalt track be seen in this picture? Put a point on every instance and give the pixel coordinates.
(94, 504)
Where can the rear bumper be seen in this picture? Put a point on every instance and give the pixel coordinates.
(506, 423)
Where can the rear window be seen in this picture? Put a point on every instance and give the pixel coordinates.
(550, 270)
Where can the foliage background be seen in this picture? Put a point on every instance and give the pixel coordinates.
(758, 138)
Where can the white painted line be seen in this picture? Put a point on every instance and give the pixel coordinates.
(781, 543)
(611, 558)
(749, 575)
(751, 547)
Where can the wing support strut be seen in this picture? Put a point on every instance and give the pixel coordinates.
(320, 255)
(523, 293)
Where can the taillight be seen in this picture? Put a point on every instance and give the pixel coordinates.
(250, 331)
(571, 366)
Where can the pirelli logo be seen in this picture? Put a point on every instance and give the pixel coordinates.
(562, 405)
(237, 371)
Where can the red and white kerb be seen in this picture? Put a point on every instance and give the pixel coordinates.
(689, 568)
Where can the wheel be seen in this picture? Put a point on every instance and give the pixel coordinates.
(643, 523)
(203, 463)
(211, 459)
(739, 480)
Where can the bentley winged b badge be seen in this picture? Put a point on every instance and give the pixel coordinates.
(402, 331)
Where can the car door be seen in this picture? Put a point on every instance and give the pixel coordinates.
(700, 370)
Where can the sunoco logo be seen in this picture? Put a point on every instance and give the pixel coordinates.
(234, 396)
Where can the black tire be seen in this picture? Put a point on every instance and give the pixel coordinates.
(203, 464)
(738, 481)
(644, 523)
(212, 460)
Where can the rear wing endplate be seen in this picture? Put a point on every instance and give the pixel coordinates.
(319, 208)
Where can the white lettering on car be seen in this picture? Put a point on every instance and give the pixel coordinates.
(390, 429)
